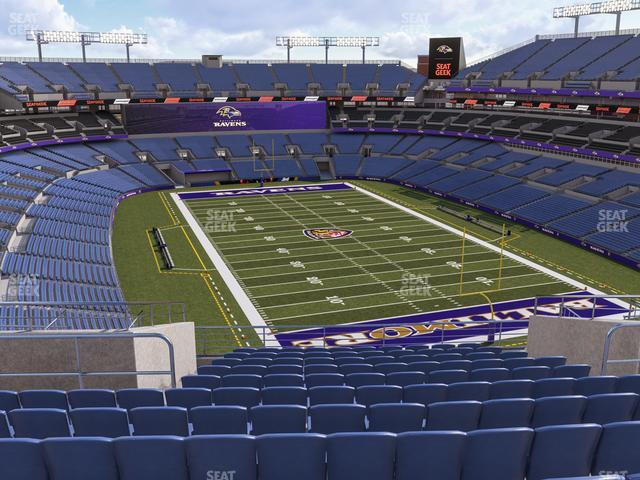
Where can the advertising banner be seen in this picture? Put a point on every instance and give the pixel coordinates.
(446, 58)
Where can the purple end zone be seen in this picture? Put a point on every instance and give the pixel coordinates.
(455, 324)
(249, 192)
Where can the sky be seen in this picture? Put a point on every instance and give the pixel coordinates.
(247, 29)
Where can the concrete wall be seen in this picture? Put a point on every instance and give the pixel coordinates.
(97, 355)
(582, 341)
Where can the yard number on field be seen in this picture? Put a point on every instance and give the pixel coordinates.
(336, 300)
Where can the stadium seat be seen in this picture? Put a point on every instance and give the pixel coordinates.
(425, 394)
(530, 373)
(447, 447)
(618, 449)
(278, 419)
(9, 400)
(217, 370)
(201, 381)
(448, 376)
(257, 370)
(572, 371)
(625, 384)
(188, 397)
(219, 420)
(563, 451)
(403, 379)
(610, 408)
(22, 459)
(227, 362)
(463, 416)
(224, 456)
(595, 385)
(75, 458)
(361, 379)
(425, 367)
(512, 354)
(506, 447)
(551, 362)
(396, 417)
(328, 419)
(283, 380)
(456, 365)
(478, 391)
(284, 396)
(445, 357)
(276, 451)
(242, 380)
(159, 421)
(285, 369)
(481, 364)
(506, 413)
(371, 394)
(44, 399)
(553, 387)
(321, 368)
(331, 395)
(379, 359)
(481, 356)
(100, 422)
(130, 398)
(349, 360)
(518, 362)
(39, 423)
(489, 375)
(558, 411)
(413, 357)
(391, 367)
(361, 456)
(350, 368)
(158, 457)
(5, 431)
(245, 397)
(91, 398)
(511, 389)
(323, 379)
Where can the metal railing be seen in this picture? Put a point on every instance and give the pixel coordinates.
(607, 347)
(588, 306)
(79, 372)
(215, 340)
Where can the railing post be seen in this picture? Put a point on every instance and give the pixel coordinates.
(78, 363)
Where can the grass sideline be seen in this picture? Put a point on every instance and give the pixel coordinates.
(208, 301)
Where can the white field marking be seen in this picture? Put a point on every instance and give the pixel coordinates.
(517, 264)
(312, 290)
(349, 195)
(250, 311)
(390, 304)
(329, 207)
(309, 264)
(487, 245)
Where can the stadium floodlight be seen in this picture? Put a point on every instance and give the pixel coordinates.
(42, 37)
(326, 42)
(611, 7)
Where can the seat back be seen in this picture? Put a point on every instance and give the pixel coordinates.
(278, 419)
(507, 447)
(284, 396)
(76, 458)
(463, 416)
(148, 421)
(554, 387)
(558, 411)
(243, 396)
(396, 417)
(361, 379)
(331, 394)
(618, 449)
(506, 413)
(276, 451)
(22, 459)
(219, 420)
(158, 457)
(425, 394)
(610, 408)
(92, 398)
(372, 394)
(100, 422)
(39, 423)
(44, 399)
(328, 419)
(130, 398)
(447, 447)
(201, 381)
(511, 389)
(478, 391)
(355, 456)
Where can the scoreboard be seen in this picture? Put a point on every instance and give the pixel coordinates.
(446, 58)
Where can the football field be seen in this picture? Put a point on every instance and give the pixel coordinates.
(332, 254)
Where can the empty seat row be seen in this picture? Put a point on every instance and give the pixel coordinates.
(500, 454)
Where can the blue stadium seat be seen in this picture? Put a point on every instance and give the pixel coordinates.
(321, 368)
(490, 375)
(463, 416)
(350, 368)
(506, 447)
(323, 379)
(519, 362)
(553, 387)
(22, 459)
(448, 376)
(506, 413)
(625, 384)
(480, 364)
(456, 365)
(361, 456)
(563, 451)
(328, 419)
(447, 447)
(77, 458)
(201, 381)
(530, 373)
(396, 417)
(130, 398)
(391, 367)
(371, 394)
(276, 451)
(445, 357)
(188, 397)
(278, 419)
(217, 370)
(618, 449)
(242, 380)
(224, 456)
(348, 359)
(558, 411)
(512, 354)
(159, 421)
(283, 380)
(610, 408)
(9, 400)
(551, 362)
(425, 367)
(331, 394)
(100, 422)
(39, 423)
(379, 359)
(44, 399)
(5, 431)
(284, 396)
(91, 398)
(146, 458)
(361, 379)
(512, 389)
(225, 361)
(572, 371)
(478, 391)
(285, 369)
(245, 397)
(596, 385)
(403, 379)
(425, 394)
(217, 420)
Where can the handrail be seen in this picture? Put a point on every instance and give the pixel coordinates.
(607, 347)
(632, 308)
(79, 372)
